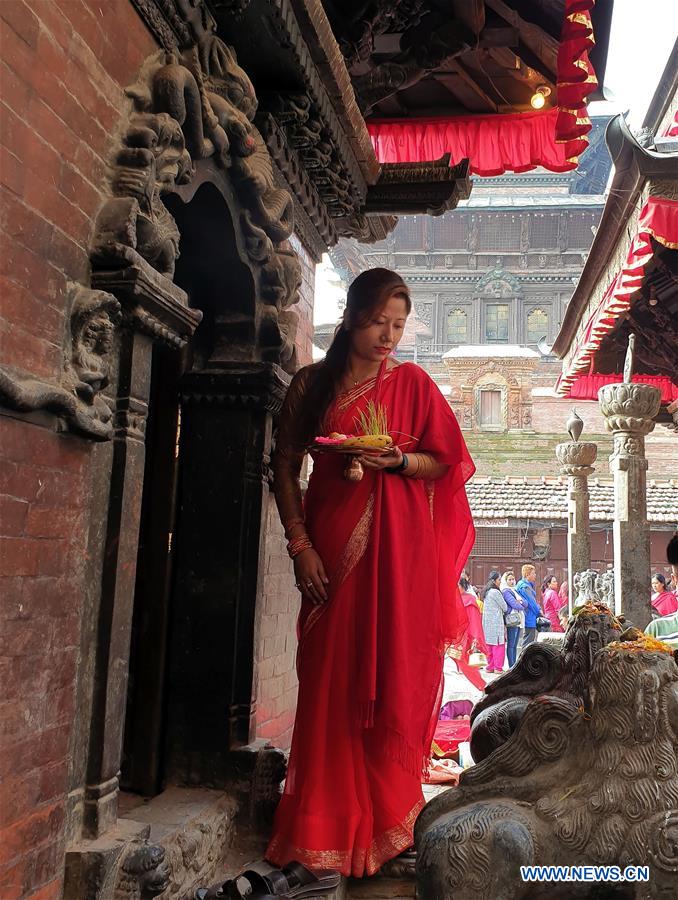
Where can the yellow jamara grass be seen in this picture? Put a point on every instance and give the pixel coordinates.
(645, 644)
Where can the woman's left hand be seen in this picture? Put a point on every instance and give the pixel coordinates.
(389, 460)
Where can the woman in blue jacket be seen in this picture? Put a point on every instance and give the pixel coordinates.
(526, 587)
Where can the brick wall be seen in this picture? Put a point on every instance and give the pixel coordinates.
(64, 64)
(277, 639)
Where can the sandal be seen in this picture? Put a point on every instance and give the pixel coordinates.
(288, 883)
(303, 882)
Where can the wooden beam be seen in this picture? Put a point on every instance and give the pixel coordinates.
(457, 68)
(544, 47)
(470, 13)
(499, 37)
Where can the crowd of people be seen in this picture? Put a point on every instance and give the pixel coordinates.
(505, 616)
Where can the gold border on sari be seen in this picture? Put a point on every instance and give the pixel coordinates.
(383, 848)
(351, 555)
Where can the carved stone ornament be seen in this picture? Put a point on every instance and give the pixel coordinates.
(194, 102)
(576, 458)
(143, 873)
(585, 586)
(579, 768)
(78, 399)
(629, 407)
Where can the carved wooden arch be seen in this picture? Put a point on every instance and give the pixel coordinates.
(191, 120)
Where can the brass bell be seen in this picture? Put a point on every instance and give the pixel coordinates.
(354, 470)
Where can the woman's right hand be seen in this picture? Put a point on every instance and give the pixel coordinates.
(310, 575)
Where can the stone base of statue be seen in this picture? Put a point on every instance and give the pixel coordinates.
(581, 770)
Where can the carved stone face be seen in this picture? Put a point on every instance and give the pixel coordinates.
(97, 334)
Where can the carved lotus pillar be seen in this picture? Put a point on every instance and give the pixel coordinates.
(576, 460)
(629, 411)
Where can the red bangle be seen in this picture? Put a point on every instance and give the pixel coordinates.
(298, 545)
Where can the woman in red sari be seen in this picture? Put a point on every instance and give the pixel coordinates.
(377, 570)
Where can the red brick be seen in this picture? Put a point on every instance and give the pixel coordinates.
(12, 516)
(45, 197)
(18, 638)
(20, 481)
(28, 556)
(21, 223)
(79, 191)
(55, 596)
(16, 86)
(23, 22)
(36, 752)
(23, 309)
(62, 670)
(44, 866)
(50, 522)
(50, 891)
(40, 828)
(44, 121)
(12, 174)
(11, 591)
(32, 354)
(22, 442)
(19, 796)
(12, 881)
(15, 134)
(25, 267)
(24, 677)
(53, 782)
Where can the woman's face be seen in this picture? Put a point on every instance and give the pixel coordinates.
(380, 336)
(510, 580)
(657, 586)
(553, 583)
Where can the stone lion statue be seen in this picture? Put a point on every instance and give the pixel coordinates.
(595, 784)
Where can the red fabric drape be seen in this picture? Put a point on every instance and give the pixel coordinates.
(575, 77)
(370, 660)
(493, 144)
(586, 387)
(659, 220)
(509, 142)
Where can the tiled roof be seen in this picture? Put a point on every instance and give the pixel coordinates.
(546, 498)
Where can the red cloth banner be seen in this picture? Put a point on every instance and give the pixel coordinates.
(586, 387)
(659, 220)
(493, 144)
(575, 78)
(510, 142)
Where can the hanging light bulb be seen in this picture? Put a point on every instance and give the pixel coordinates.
(538, 99)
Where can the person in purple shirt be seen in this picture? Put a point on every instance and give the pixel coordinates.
(527, 590)
(516, 604)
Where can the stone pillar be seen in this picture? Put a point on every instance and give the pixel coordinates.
(226, 436)
(576, 460)
(629, 411)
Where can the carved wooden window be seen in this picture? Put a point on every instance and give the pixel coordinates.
(490, 407)
(498, 233)
(537, 326)
(496, 323)
(450, 232)
(409, 233)
(579, 234)
(544, 231)
(497, 542)
(457, 326)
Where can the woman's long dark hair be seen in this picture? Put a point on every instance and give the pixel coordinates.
(494, 574)
(367, 293)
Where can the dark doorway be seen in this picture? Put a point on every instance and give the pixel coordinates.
(216, 282)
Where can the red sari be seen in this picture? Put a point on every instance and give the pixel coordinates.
(370, 660)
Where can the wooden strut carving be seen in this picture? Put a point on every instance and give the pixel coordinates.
(78, 397)
(190, 104)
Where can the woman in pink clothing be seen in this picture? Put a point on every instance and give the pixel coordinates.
(551, 602)
(664, 601)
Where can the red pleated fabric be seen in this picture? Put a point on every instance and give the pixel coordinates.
(370, 660)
